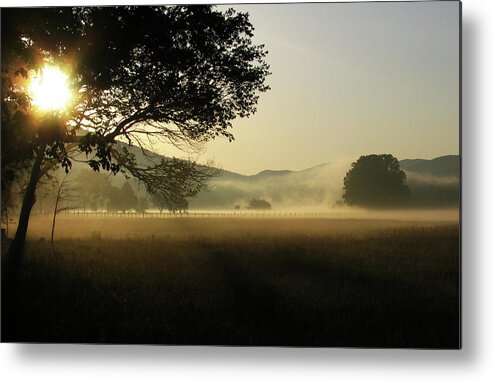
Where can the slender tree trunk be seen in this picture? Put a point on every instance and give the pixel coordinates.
(17, 245)
(53, 228)
(55, 211)
(7, 220)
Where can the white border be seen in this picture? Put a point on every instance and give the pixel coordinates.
(83, 362)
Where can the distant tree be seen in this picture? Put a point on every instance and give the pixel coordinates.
(182, 206)
(94, 189)
(173, 205)
(375, 181)
(8, 207)
(128, 198)
(258, 204)
(178, 206)
(159, 201)
(65, 195)
(237, 207)
(114, 202)
(142, 205)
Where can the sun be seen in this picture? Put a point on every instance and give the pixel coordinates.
(49, 89)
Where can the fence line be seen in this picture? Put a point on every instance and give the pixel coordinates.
(197, 214)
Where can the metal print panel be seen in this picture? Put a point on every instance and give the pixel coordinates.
(261, 175)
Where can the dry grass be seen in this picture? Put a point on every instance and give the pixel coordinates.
(216, 227)
(240, 282)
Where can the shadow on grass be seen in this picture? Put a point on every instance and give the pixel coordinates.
(395, 288)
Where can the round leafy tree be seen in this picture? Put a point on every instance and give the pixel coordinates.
(375, 181)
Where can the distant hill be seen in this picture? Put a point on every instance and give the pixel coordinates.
(433, 183)
(443, 166)
(310, 188)
(269, 173)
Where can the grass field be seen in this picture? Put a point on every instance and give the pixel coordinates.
(295, 282)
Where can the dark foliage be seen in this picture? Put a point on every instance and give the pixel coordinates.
(258, 204)
(375, 181)
(162, 202)
(122, 199)
(184, 71)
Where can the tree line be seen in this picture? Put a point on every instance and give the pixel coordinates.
(94, 191)
(374, 181)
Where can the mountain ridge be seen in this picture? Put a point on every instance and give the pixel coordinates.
(433, 183)
(412, 165)
(446, 165)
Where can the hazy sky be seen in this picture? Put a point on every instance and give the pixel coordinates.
(350, 79)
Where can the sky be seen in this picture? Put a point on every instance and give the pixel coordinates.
(349, 79)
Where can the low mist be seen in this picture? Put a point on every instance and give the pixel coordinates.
(434, 192)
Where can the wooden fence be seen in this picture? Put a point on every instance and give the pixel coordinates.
(197, 214)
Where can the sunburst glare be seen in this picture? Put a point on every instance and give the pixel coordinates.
(49, 89)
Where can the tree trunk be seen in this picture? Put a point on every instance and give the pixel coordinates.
(54, 220)
(55, 212)
(7, 220)
(17, 245)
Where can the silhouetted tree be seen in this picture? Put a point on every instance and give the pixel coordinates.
(128, 198)
(122, 199)
(174, 205)
(114, 202)
(258, 204)
(8, 207)
(159, 202)
(179, 74)
(180, 206)
(64, 196)
(142, 205)
(375, 181)
(94, 189)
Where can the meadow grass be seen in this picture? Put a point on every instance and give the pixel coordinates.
(239, 282)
